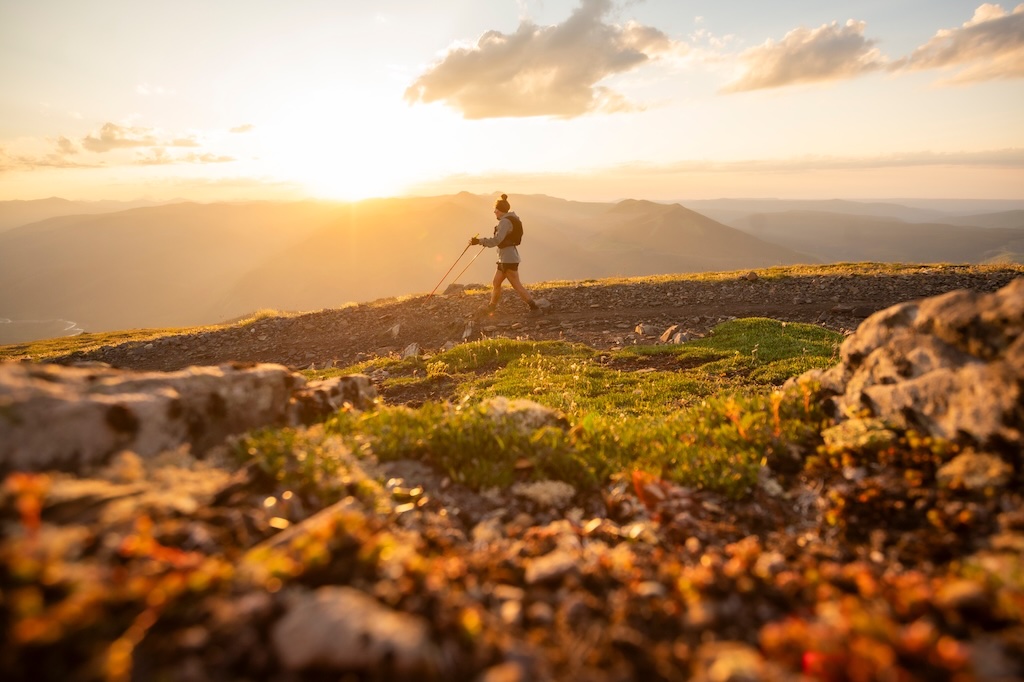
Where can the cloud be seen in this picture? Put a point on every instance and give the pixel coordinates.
(989, 46)
(23, 162)
(829, 52)
(112, 136)
(207, 158)
(244, 128)
(542, 70)
(160, 157)
(66, 146)
(1009, 158)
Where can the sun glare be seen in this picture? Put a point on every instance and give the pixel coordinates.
(338, 149)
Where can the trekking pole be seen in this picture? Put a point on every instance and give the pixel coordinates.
(467, 267)
(450, 270)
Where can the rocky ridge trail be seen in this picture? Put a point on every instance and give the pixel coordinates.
(599, 314)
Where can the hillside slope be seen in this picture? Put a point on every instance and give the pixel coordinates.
(196, 264)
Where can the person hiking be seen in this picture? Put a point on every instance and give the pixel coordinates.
(505, 239)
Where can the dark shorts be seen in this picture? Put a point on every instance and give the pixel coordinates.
(508, 267)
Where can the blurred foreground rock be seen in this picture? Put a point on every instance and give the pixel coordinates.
(72, 418)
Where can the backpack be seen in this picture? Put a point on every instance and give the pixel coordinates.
(515, 237)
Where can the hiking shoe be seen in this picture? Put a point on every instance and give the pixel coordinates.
(484, 311)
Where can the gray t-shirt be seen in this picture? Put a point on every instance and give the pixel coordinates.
(506, 254)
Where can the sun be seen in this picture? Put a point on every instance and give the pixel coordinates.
(337, 149)
(348, 168)
(346, 183)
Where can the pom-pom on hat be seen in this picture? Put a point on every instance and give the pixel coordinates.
(502, 204)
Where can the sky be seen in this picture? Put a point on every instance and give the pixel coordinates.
(589, 100)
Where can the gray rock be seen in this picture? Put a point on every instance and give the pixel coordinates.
(974, 471)
(71, 419)
(525, 414)
(55, 417)
(950, 367)
(551, 566)
(728, 662)
(667, 335)
(318, 399)
(341, 628)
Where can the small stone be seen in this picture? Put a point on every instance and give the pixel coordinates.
(549, 567)
(552, 494)
(962, 595)
(858, 434)
(667, 335)
(974, 471)
(504, 672)
(341, 628)
(728, 662)
(540, 613)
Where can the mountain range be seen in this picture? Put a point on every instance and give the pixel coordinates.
(116, 266)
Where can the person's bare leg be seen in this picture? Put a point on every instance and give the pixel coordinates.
(499, 277)
(513, 279)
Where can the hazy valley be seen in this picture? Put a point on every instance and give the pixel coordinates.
(101, 266)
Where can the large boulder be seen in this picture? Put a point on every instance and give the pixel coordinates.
(950, 367)
(74, 418)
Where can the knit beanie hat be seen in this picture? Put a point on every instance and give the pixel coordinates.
(502, 204)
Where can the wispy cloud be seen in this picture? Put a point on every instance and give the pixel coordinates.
(543, 70)
(26, 162)
(207, 158)
(1010, 159)
(244, 128)
(66, 146)
(991, 158)
(827, 53)
(161, 157)
(989, 46)
(112, 143)
(112, 136)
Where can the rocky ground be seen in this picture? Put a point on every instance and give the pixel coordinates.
(876, 557)
(597, 314)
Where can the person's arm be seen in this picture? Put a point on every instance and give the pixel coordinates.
(504, 227)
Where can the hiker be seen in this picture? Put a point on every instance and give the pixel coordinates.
(506, 239)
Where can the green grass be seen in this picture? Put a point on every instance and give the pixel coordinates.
(706, 414)
(738, 356)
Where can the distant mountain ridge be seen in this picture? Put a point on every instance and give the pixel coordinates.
(187, 264)
(836, 237)
(23, 212)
